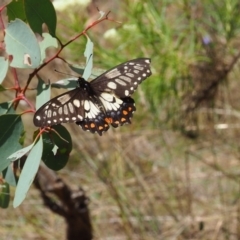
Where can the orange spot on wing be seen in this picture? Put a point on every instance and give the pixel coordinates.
(108, 120)
(92, 125)
(86, 126)
(100, 128)
(125, 112)
(123, 120)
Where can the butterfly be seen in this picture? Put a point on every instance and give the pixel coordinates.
(100, 103)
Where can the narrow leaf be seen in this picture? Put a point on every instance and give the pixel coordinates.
(4, 195)
(10, 177)
(3, 69)
(43, 93)
(78, 69)
(5, 108)
(11, 128)
(69, 84)
(28, 173)
(89, 59)
(18, 154)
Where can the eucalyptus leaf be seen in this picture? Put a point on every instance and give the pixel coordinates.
(28, 173)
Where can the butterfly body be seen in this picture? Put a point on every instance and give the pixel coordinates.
(97, 104)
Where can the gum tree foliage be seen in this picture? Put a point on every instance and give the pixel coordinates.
(23, 50)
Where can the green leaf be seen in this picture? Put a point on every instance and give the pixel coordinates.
(28, 173)
(69, 83)
(4, 195)
(6, 107)
(3, 69)
(48, 41)
(43, 93)
(95, 71)
(15, 10)
(11, 128)
(39, 12)
(22, 44)
(18, 154)
(89, 59)
(78, 69)
(56, 148)
(10, 177)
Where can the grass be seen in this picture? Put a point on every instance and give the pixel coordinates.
(172, 174)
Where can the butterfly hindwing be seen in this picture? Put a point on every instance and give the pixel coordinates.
(115, 117)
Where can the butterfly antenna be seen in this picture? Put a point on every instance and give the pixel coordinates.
(67, 74)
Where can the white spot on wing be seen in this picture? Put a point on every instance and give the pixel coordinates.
(49, 113)
(108, 97)
(112, 85)
(110, 102)
(113, 73)
(86, 105)
(138, 67)
(126, 92)
(63, 99)
(121, 82)
(131, 75)
(65, 109)
(76, 103)
(93, 112)
(126, 79)
(70, 106)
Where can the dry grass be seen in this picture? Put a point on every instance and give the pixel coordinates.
(143, 185)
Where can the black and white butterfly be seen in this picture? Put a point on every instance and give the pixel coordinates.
(97, 104)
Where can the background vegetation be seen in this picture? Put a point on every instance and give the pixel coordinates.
(173, 173)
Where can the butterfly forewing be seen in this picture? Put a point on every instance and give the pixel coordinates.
(100, 103)
(123, 79)
(67, 107)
